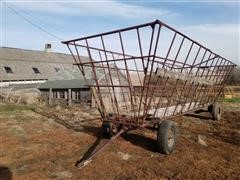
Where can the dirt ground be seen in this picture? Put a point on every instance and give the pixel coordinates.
(45, 143)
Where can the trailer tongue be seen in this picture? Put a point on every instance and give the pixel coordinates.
(85, 160)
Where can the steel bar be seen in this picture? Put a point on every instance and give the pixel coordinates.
(169, 49)
(110, 75)
(150, 75)
(84, 162)
(96, 79)
(175, 87)
(210, 76)
(109, 91)
(202, 85)
(136, 27)
(183, 84)
(100, 106)
(124, 98)
(128, 76)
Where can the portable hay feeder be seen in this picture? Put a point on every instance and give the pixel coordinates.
(153, 73)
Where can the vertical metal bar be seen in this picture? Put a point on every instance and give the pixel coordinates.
(220, 80)
(183, 89)
(195, 92)
(202, 74)
(159, 101)
(213, 71)
(79, 58)
(227, 74)
(105, 74)
(206, 100)
(207, 87)
(206, 64)
(213, 59)
(195, 60)
(140, 48)
(170, 48)
(110, 75)
(189, 51)
(201, 61)
(146, 84)
(128, 77)
(177, 53)
(137, 70)
(175, 87)
(145, 72)
(165, 84)
(143, 64)
(140, 81)
(215, 75)
(216, 88)
(95, 77)
(150, 76)
(100, 106)
(184, 104)
(199, 93)
(120, 84)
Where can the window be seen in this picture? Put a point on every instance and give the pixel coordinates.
(8, 70)
(77, 95)
(35, 70)
(57, 69)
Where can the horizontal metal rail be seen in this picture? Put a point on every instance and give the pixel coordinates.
(178, 73)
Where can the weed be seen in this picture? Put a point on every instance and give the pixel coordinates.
(232, 100)
(11, 108)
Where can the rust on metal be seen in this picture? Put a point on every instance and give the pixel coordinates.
(152, 72)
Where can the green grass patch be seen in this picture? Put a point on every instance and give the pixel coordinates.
(12, 108)
(232, 100)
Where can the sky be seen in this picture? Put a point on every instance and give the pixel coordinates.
(214, 24)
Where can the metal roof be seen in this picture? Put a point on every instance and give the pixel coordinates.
(65, 84)
(22, 61)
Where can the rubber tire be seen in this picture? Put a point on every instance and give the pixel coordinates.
(107, 130)
(216, 112)
(163, 135)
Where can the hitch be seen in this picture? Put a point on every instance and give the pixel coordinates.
(86, 160)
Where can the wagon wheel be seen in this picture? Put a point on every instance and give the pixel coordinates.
(107, 129)
(216, 111)
(166, 137)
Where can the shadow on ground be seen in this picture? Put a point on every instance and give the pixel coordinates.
(5, 173)
(141, 141)
(199, 116)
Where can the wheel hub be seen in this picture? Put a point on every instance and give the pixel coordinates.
(170, 137)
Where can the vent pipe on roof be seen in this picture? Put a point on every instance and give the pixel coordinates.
(48, 47)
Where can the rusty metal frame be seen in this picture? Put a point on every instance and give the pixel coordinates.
(155, 92)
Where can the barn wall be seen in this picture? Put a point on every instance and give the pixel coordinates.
(107, 93)
(61, 96)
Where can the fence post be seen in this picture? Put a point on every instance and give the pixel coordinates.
(50, 96)
(73, 95)
(65, 94)
(58, 94)
(69, 97)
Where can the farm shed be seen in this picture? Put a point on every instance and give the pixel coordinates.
(69, 86)
(65, 91)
